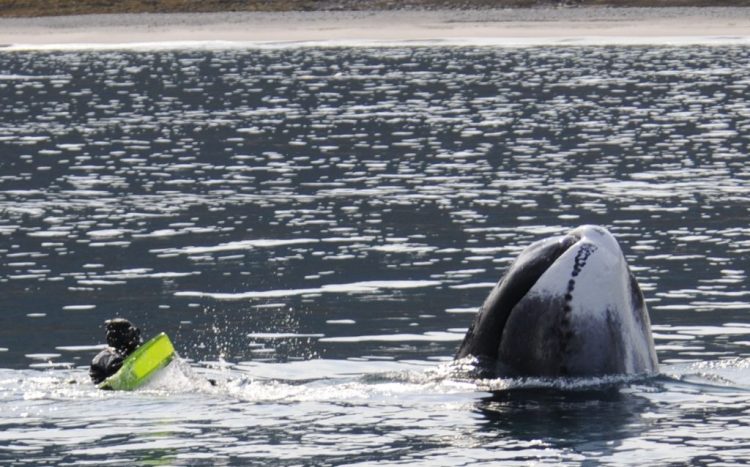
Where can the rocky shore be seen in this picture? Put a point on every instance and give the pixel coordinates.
(33, 8)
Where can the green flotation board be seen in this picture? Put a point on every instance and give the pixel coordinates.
(139, 366)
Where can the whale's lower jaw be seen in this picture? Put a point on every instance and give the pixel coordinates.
(541, 340)
(535, 341)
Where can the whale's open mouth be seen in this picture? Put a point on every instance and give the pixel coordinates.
(527, 270)
(521, 277)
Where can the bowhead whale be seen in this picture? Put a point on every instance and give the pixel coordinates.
(567, 306)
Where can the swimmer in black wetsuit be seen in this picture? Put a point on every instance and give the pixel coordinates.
(122, 338)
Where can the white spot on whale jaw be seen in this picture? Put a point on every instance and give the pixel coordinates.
(584, 316)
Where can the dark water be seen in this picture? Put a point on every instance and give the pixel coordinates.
(315, 228)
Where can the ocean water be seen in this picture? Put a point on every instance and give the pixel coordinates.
(315, 228)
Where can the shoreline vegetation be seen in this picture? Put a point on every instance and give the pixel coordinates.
(37, 8)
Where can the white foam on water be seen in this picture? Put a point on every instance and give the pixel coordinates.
(239, 245)
(341, 321)
(81, 348)
(42, 356)
(354, 287)
(79, 307)
(105, 233)
(471, 309)
(426, 337)
(17, 77)
(280, 335)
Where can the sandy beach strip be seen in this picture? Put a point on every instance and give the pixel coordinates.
(538, 26)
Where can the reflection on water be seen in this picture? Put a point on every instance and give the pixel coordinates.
(303, 220)
(371, 412)
(590, 422)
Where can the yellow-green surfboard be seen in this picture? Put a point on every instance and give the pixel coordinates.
(139, 366)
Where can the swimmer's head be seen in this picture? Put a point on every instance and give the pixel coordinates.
(122, 335)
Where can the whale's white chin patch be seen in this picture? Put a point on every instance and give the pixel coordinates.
(593, 270)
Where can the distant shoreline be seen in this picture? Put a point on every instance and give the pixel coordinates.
(510, 27)
(36, 8)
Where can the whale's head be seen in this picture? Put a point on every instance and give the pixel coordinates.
(567, 306)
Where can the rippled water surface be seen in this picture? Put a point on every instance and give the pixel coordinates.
(314, 228)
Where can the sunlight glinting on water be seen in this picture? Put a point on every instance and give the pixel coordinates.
(314, 228)
(308, 160)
